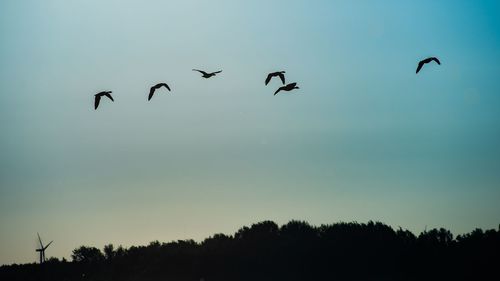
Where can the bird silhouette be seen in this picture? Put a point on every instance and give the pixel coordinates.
(207, 75)
(287, 88)
(99, 95)
(155, 87)
(273, 74)
(427, 60)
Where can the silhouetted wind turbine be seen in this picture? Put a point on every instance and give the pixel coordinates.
(274, 74)
(99, 95)
(427, 60)
(207, 75)
(287, 88)
(155, 87)
(42, 249)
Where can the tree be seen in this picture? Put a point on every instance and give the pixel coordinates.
(109, 252)
(87, 255)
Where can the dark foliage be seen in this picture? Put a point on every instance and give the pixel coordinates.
(294, 251)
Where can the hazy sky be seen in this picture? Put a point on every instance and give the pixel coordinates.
(363, 139)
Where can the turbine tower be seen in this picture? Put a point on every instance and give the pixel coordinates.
(42, 249)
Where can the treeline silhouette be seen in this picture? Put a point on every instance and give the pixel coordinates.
(294, 251)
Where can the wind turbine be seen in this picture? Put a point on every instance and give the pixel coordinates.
(42, 249)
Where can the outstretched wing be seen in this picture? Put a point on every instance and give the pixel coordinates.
(436, 60)
(420, 64)
(201, 71)
(151, 92)
(269, 76)
(282, 77)
(166, 86)
(217, 72)
(109, 96)
(96, 104)
(277, 91)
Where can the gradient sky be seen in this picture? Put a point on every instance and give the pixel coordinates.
(363, 139)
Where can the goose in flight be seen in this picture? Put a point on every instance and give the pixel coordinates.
(427, 60)
(207, 75)
(280, 74)
(155, 87)
(99, 95)
(287, 88)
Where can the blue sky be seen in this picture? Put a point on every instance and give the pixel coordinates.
(363, 139)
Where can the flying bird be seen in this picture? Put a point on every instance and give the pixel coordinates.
(274, 74)
(99, 95)
(427, 60)
(287, 88)
(155, 87)
(207, 75)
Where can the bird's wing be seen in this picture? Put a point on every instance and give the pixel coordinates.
(164, 85)
(217, 72)
(436, 60)
(96, 104)
(282, 77)
(201, 71)
(269, 76)
(109, 96)
(48, 245)
(277, 91)
(420, 64)
(151, 92)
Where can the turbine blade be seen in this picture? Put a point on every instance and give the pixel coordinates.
(39, 239)
(47, 245)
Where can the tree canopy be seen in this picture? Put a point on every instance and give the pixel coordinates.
(294, 251)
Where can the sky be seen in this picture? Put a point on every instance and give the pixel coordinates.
(364, 138)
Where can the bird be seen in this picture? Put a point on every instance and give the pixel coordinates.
(155, 87)
(287, 88)
(427, 60)
(207, 75)
(99, 95)
(274, 74)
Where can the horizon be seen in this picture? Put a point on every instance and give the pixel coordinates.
(232, 235)
(363, 139)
